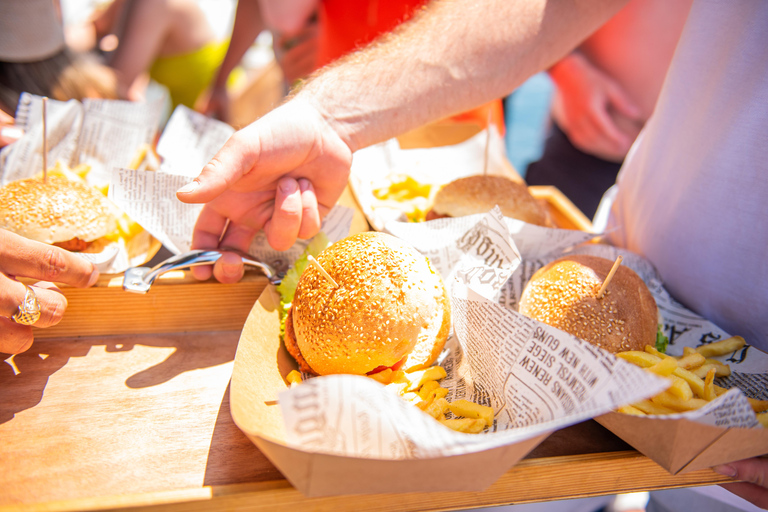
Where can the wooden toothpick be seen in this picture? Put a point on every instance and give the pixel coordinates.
(45, 139)
(608, 278)
(320, 269)
(487, 143)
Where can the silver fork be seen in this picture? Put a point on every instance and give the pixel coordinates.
(140, 279)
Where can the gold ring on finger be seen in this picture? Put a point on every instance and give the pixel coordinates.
(29, 309)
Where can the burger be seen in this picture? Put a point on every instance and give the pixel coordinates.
(480, 193)
(386, 308)
(58, 211)
(564, 294)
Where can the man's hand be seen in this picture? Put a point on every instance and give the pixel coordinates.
(215, 103)
(9, 132)
(754, 473)
(20, 257)
(593, 109)
(283, 174)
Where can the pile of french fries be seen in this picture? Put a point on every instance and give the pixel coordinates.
(422, 390)
(692, 375)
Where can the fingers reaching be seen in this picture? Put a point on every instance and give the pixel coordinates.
(229, 268)
(310, 213)
(283, 228)
(14, 338)
(21, 257)
(754, 473)
(52, 302)
(231, 163)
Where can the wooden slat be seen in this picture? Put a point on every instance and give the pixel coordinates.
(177, 303)
(576, 476)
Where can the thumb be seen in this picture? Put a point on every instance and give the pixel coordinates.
(753, 470)
(232, 162)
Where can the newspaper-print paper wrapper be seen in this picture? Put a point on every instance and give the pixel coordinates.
(100, 133)
(536, 378)
(188, 142)
(724, 430)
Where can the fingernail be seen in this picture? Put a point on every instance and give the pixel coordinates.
(288, 186)
(231, 270)
(304, 185)
(94, 277)
(726, 470)
(189, 187)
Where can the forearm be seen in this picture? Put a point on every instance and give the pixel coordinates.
(454, 56)
(248, 25)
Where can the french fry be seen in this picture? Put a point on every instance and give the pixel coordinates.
(427, 387)
(664, 367)
(655, 352)
(692, 378)
(466, 425)
(696, 383)
(293, 378)
(676, 404)
(412, 397)
(722, 347)
(691, 361)
(467, 409)
(758, 405)
(649, 407)
(419, 378)
(709, 386)
(722, 370)
(763, 419)
(641, 359)
(437, 408)
(384, 376)
(628, 409)
(680, 388)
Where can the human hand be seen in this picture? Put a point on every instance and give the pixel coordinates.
(754, 473)
(283, 173)
(297, 53)
(9, 132)
(20, 257)
(214, 103)
(593, 109)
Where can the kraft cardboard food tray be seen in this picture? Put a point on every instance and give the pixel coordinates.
(259, 373)
(682, 445)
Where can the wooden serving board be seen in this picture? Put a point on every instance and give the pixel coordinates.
(143, 422)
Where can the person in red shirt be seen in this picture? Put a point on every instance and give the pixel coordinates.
(309, 34)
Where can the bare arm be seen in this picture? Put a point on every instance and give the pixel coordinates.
(146, 23)
(451, 58)
(247, 26)
(284, 172)
(287, 16)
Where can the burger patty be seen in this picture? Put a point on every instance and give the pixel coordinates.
(432, 215)
(74, 245)
(289, 339)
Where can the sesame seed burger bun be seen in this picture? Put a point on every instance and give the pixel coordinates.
(390, 309)
(563, 294)
(480, 193)
(56, 211)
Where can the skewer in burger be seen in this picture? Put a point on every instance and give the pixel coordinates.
(564, 294)
(480, 193)
(388, 309)
(59, 211)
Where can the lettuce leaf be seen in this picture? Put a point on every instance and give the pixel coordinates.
(287, 287)
(661, 341)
